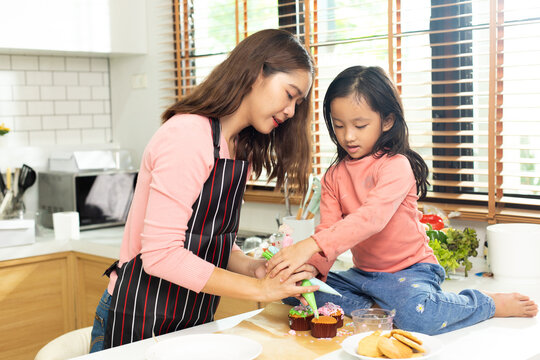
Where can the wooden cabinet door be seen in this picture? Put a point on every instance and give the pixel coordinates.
(36, 304)
(90, 286)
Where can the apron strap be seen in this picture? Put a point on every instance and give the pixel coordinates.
(216, 135)
(111, 268)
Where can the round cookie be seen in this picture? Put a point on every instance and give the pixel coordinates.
(394, 349)
(368, 345)
(409, 342)
(407, 335)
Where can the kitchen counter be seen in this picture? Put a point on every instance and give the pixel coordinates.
(102, 242)
(509, 338)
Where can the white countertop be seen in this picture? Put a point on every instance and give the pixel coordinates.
(102, 242)
(508, 338)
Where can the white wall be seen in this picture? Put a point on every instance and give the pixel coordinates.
(139, 83)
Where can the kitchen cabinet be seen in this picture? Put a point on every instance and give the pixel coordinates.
(36, 303)
(90, 286)
(74, 26)
(43, 297)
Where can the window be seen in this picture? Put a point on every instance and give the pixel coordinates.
(468, 72)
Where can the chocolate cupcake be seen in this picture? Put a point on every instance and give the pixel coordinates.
(324, 327)
(331, 309)
(300, 317)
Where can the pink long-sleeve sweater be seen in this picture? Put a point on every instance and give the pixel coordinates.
(370, 206)
(176, 163)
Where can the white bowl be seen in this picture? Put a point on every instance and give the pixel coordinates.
(514, 250)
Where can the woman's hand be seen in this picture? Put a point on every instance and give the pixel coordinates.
(314, 272)
(273, 289)
(289, 259)
(258, 268)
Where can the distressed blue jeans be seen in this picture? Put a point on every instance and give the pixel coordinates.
(416, 295)
(100, 323)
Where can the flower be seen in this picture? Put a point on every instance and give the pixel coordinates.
(3, 130)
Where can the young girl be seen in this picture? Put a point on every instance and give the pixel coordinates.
(369, 205)
(178, 253)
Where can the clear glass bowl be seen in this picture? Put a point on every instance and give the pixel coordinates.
(372, 320)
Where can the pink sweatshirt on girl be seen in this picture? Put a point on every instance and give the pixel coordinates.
(370, 206)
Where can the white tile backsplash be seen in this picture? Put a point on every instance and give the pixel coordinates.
(54, 100)
(24, 62)
(52, 63)
(5, 62)
(77, 64)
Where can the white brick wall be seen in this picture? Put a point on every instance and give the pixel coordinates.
(55, 100)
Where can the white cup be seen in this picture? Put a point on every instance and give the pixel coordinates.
(302, 229)
(66, 225)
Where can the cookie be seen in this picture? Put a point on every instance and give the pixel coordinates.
(394, 349)
(368, 345)
(407, 335)
(409, 342)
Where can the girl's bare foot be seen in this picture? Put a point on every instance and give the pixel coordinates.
(513, 305)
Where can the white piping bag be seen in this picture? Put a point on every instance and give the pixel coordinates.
(324, 287)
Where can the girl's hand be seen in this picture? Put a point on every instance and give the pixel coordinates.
(309, 268)
(289, 259)
(274, 289)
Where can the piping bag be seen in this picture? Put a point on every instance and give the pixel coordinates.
(310, 297)
(324, 287)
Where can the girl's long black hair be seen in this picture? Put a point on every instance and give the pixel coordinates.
(377, 89)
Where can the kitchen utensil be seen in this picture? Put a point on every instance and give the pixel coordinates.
(306, 197)
(324, 287)
(310, 298)
(6, 203)
(16, 182)
(314, 203)
(286, 194)
(3, 188)
(27, 178)
(8, 178)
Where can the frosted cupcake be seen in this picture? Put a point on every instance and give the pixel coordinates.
(331, 309)
(324, 327)
(300, 317)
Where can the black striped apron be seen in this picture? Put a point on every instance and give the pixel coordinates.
(142, 304)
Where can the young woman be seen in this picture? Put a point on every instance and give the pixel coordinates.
(178, 253)
(369, 205)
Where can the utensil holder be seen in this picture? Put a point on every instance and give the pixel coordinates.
(14, 209)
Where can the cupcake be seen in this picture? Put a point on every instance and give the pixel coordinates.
(324, 327)
(300, 317)
(331, 309)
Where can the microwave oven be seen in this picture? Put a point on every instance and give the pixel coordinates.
(101, 198)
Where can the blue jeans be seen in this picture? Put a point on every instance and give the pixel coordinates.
(100, 323)
(416, 295)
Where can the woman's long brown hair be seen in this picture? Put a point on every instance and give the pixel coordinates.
(287, 149)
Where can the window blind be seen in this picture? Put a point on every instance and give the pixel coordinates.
(468, 72)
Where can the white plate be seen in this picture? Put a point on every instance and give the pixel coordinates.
(431, 344)
(205, 347)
